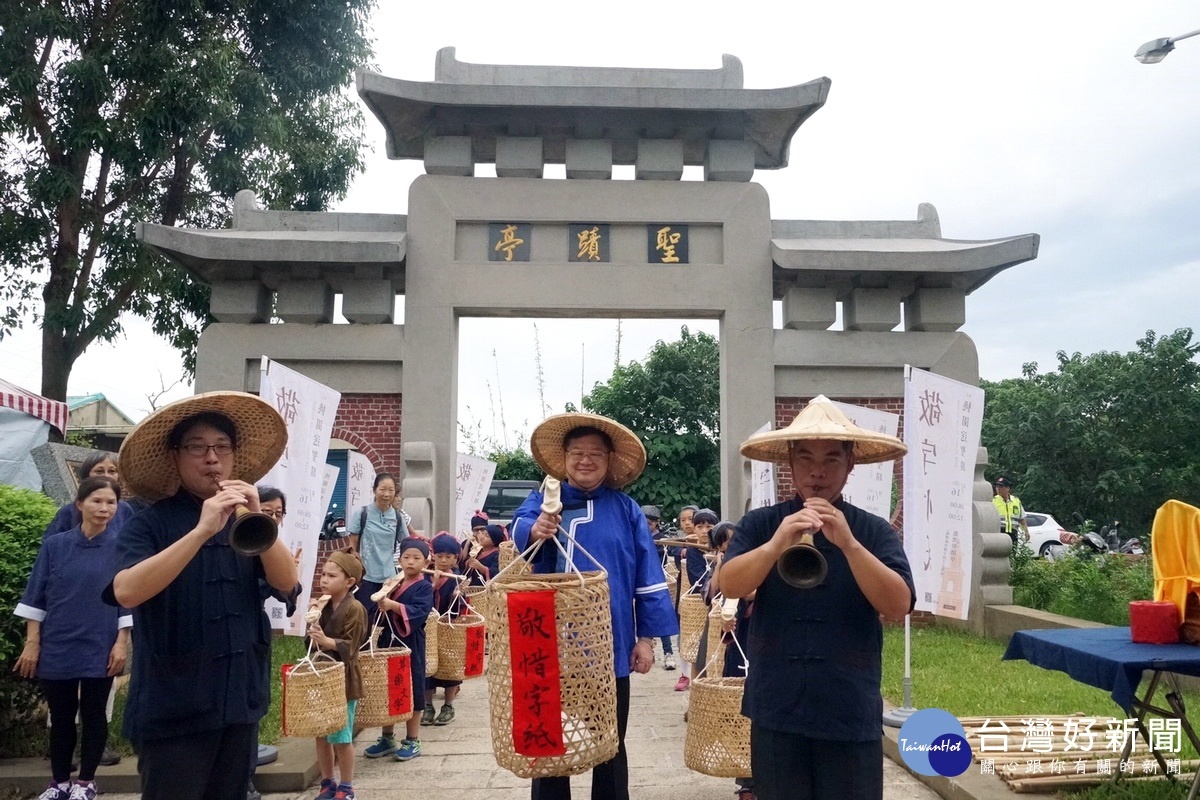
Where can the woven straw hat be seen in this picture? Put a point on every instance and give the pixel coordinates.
(626, 463)
(146, 463)
(821, 419)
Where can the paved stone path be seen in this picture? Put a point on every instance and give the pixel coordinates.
(458, 765)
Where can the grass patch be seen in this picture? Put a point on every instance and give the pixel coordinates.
(964, 674)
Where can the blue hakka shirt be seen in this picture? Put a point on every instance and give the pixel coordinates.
(611, 526)
(201, 646)
(68, 517)
(815, 654)
(63, 594)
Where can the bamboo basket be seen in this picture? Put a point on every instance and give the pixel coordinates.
(476, 597)
(717, 742)
(373, 707)
(314, 697)
(672, 574)
(587, 682)
(693, 619)
(431, 643)
(716, 649)
(452, 646)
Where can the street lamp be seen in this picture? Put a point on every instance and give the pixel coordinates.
(1156, 50)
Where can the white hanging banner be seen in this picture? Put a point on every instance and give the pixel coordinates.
(472, 479)
(870, 485)
(308, 409)
(360, 483)
(762, 479)
(943, 419)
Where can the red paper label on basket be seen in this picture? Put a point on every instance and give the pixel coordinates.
(283, 675)
(400, 697)
(536, 693)
(475, 643)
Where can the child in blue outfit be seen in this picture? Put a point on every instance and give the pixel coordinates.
(446, 600)
(407, 609)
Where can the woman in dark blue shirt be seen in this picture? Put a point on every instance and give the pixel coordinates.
(74, 643)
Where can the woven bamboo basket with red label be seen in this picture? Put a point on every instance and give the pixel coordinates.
(550, 678)
(460, 647)
(387, 684)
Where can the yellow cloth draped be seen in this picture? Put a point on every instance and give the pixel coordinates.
(1175, 545)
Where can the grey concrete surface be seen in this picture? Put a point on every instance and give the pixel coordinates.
(457, 763)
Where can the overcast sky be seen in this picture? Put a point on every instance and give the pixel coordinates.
(1011, 118)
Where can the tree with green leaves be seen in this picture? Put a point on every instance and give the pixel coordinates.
(117, 112)
(1108, 436)
(672, 401)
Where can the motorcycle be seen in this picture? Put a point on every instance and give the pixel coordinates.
(334, 526)
(1112, 537)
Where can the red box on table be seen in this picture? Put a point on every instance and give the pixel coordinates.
(1153, 622)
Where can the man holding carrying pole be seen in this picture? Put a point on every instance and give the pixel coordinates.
(812, 690)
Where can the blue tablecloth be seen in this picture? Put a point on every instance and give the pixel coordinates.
(1102, 657)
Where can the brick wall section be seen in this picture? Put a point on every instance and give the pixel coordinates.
(786, 409)
(371, 422)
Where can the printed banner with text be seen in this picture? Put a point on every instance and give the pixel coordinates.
(762, 479)
(472, 479)
(870, 485)
(942, 423)
(308, 409)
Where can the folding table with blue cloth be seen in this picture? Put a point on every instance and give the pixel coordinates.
(1109, 659)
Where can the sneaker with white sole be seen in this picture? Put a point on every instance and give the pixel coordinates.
(427, 716)
(385, 746)
(408, 750)
(445, 716)
(669, 661)
(56, 791)
(82, 791)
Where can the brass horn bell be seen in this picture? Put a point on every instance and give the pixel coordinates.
(253, 532)
(802, 565)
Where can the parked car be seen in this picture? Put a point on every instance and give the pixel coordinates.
(505, 497)
(1045, 532)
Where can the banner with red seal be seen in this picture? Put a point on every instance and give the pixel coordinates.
(400, 689)
(536, 692)
(476, 639)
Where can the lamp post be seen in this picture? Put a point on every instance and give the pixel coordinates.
(1156, 50)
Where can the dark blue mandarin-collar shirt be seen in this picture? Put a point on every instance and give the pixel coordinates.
(63, 594)
(815, 654)
(202, 646)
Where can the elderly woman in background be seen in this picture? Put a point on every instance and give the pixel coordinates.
(97, 465)
(74, 643)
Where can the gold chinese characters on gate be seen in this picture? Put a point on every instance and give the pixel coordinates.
(587, 242)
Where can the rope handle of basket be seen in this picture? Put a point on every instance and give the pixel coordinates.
(695, 587)
(552, 504)
(370, 645)
(733, 635)
(314, 654)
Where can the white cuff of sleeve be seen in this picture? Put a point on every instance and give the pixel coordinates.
(29, 612)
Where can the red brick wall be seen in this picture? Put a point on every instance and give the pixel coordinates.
(786, 409)
(371, 422)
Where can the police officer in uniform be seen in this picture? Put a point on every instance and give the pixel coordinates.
(1008, 506)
